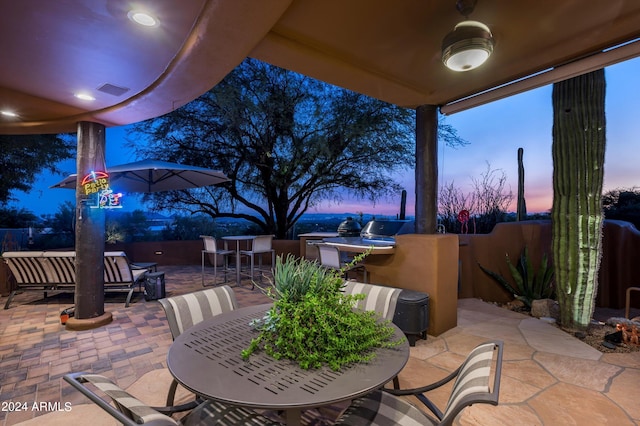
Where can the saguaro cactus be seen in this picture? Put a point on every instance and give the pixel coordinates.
(403, 204)
(522, 205)
(578, 156)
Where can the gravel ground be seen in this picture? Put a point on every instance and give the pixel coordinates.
(595, 337)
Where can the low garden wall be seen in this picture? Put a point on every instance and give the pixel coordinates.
(621, 249)
(184, 252)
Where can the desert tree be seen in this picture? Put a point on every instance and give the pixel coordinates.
(24, 156)
(285, 141)
(487, 202)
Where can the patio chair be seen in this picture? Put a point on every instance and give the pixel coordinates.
(330, 258)
(132, 412)
(378, 298)
(189, 309)
(211, 249)
(471, 386)
(260, 245)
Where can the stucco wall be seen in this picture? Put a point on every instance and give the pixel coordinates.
(619, 268)
(428, 263)
(621, 250)
(489, 250)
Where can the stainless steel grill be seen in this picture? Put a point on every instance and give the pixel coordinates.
(377, 233)
(385, 230)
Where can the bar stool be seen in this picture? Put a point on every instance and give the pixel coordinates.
(211, 249)
(260, 245)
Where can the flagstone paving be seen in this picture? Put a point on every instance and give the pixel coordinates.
(549, 378)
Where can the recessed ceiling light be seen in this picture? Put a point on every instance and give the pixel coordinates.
(8, 113)
(84, 97)
(143, 18)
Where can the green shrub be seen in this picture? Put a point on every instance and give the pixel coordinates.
(528, 285)
(313, 322)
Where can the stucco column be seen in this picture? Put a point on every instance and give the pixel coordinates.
(426, 169)
(90, 232)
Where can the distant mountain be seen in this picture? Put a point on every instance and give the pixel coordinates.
(309, 217)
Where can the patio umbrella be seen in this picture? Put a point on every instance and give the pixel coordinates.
(154, 176)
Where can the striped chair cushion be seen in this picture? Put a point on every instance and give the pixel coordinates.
(189, 309)
(62, 268)
(382, 409)
(41, 268)
(473, 376)
(131, 407)
(28, 270)
(378, 298)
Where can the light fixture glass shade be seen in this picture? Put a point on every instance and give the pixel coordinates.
(467, 47)
(142, 18)
(84, 96)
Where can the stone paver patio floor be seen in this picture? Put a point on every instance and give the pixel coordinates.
(548, 378)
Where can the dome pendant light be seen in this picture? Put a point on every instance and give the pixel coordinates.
(470, 43)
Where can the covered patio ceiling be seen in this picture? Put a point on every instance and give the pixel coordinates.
(389, 50)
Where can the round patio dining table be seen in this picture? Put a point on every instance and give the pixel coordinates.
(206, 360)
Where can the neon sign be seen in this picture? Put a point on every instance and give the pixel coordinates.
(95, 182)
(96, 185)
(107, 199)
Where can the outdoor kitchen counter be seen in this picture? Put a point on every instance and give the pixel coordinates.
(360, 245)
(308, 249)
(427, 263)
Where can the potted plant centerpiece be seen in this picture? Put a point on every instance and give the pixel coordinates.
(313, 322)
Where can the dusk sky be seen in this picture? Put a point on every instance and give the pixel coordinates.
(495, 132)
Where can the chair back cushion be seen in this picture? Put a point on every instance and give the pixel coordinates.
(117, 268)
(61, 266)
(189, 309)
(473, 376)
(209, 243)
(329, 256)
(262, 243)
(42, 267)
(379, 298)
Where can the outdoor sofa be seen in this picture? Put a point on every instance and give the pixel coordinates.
(56, 271)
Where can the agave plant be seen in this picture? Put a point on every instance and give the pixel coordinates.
(528, 285)
(295, 277)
